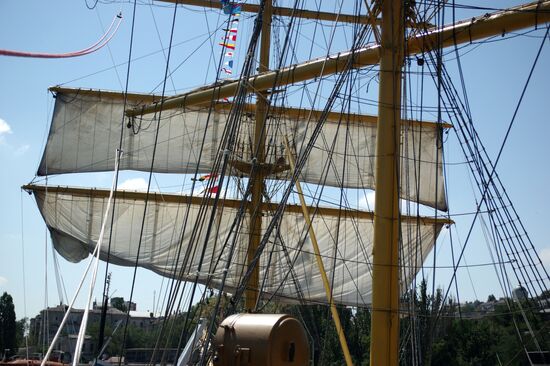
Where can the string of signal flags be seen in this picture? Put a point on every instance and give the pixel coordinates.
(229, 44)
(229, 40)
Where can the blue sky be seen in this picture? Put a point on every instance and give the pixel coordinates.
(494, 75)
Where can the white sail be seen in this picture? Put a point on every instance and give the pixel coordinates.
(345, 238)
(86, 129)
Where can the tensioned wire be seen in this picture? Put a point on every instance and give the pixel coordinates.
(329, 160)
(104, 299)
(118, 156)
(174, 290)
(276, 97)
(122, 351)
(509, 219)
(172, 293)
(208, 36)
(228, 143)
(486, 193)
(300, 163)
(412, 331)
(232, 130)
(463, 249)
(220, 184)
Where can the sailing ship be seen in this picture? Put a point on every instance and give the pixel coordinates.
(246, 228)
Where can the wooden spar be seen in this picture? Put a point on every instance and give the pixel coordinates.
(258, 175)
(318, 258)
(501, 22)
(280, 11)
(198, 200)
(298, 13)
(384, 339)
(286, 112)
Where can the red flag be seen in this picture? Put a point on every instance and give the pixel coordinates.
(214, 190)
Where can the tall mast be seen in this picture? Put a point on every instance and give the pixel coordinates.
(257, 178)
(384, 343)
(385, 293)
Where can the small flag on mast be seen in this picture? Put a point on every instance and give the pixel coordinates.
(206, 177)
(231, 46)
(233, 9)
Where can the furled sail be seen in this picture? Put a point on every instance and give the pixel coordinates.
(288, 265)
(86, 128)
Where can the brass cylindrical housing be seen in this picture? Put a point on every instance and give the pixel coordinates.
(261, 339)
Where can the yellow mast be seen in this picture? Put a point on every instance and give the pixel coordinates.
(385, 297)
(257, 178)
(384, 338)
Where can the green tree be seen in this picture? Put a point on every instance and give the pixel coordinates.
(7, 325)
(317, 320)
(468, 342)
(427, 310)
(359, 336)
(118, 303)
(20, 331)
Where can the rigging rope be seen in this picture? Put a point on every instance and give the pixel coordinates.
(155, 144)
(69, 308)
(299, 165)
(490, 187)
(84, 323)
(493, 165)
(107, 36)
(191, 249)
(118, 154)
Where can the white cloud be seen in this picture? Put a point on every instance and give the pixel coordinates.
(544, 255)
(4, 127)
(3, 281)
(134, 184)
